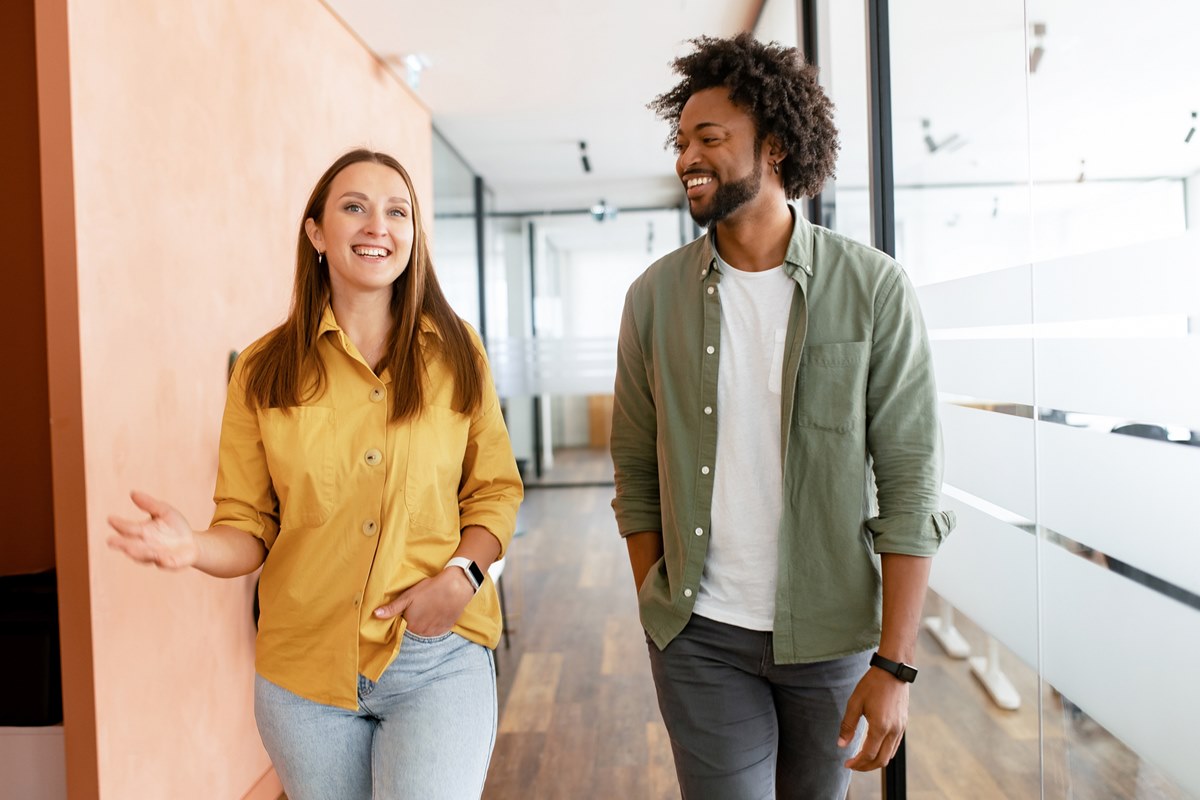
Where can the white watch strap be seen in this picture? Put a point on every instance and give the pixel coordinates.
(465, 565)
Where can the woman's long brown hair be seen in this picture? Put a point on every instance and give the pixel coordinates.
(286, 369)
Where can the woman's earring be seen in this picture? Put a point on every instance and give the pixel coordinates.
(321, 256)
(775, 167)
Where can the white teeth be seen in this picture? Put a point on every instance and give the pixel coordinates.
(693, 182)
(371, 251)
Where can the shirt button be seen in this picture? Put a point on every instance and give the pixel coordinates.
(376, 394)
(708, 409)
(357, 600)
(711, 289)
(699, 531)
(687, 592)
(704, 470)
(710, 349)
(373, 457)
(369, 527)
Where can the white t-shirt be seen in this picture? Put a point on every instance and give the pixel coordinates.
(738, 583)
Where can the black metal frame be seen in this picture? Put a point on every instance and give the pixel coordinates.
(820, 209)
(883, 195)
(480, 257)
(808, 44)
(533, 332)
(883, 236)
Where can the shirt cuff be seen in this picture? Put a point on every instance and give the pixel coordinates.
(911, 534)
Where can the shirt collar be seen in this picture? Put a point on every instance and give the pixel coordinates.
(798, 261)
(328, 322)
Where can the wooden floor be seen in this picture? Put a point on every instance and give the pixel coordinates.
(579, 717)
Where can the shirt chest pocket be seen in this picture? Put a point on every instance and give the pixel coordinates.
(832, 386)
(435, 460)
(300, 449)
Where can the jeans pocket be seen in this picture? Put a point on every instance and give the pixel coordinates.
(427, 639)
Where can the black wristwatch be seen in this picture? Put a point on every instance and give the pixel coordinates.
(901, 670)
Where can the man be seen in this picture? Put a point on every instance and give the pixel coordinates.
(777, 451)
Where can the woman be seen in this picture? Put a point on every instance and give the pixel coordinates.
(364, 463)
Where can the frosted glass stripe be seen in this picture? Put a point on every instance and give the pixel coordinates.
(1129, 498)
(1141, 380)
(991, 456)
(987, 569)
(991, 298)
(1126, 656)
(1147, 279)
(1001, 369)
(577, 366)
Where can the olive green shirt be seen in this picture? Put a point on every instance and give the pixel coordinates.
(860, 442)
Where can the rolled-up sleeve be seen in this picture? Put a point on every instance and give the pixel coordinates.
(490, 490)
(244, 496)
(634, 432)
(903, 434)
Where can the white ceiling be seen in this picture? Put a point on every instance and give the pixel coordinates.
(515, 87)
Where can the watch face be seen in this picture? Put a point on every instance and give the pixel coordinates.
(906, 673)
(476, 575)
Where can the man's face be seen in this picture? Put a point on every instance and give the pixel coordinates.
(719, 156)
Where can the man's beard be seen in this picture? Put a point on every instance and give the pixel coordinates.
(728, 198)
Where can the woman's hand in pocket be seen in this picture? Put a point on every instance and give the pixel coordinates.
(432, 606)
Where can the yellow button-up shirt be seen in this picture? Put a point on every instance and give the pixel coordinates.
(355, 509)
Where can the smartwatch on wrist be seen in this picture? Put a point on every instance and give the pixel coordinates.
(474, 573)
(899, 669)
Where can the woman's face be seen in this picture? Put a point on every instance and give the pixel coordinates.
(366, 233)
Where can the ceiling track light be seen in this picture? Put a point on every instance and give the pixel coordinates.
(1037, 51)
(413, 64)
(949, 144)
(583, 157)
(602, 211)
(1191, 131)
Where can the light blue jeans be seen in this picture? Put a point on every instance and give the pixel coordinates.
(425, 730)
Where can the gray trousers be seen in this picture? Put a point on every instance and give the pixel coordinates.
(744, 728)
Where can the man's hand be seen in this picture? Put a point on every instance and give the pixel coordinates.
(883, 700)
(432, 606)
(645, 549)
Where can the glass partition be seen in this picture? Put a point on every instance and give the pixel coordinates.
(454, 241)
(1046, 170)
(1116, 281)
(842, 59)
(575, 269)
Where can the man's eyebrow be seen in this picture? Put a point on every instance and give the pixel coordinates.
(701, 125)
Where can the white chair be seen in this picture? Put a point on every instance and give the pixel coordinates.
(496, 570)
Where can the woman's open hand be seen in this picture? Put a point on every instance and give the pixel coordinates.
(165, 539)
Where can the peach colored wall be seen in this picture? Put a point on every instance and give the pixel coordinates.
(25, 492)
(66, 431)
(198, 130)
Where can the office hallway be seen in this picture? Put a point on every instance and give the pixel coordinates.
(579, 719)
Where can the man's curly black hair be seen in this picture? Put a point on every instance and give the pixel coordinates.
(774, 85)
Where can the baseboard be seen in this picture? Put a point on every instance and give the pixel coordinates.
(33, 763)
